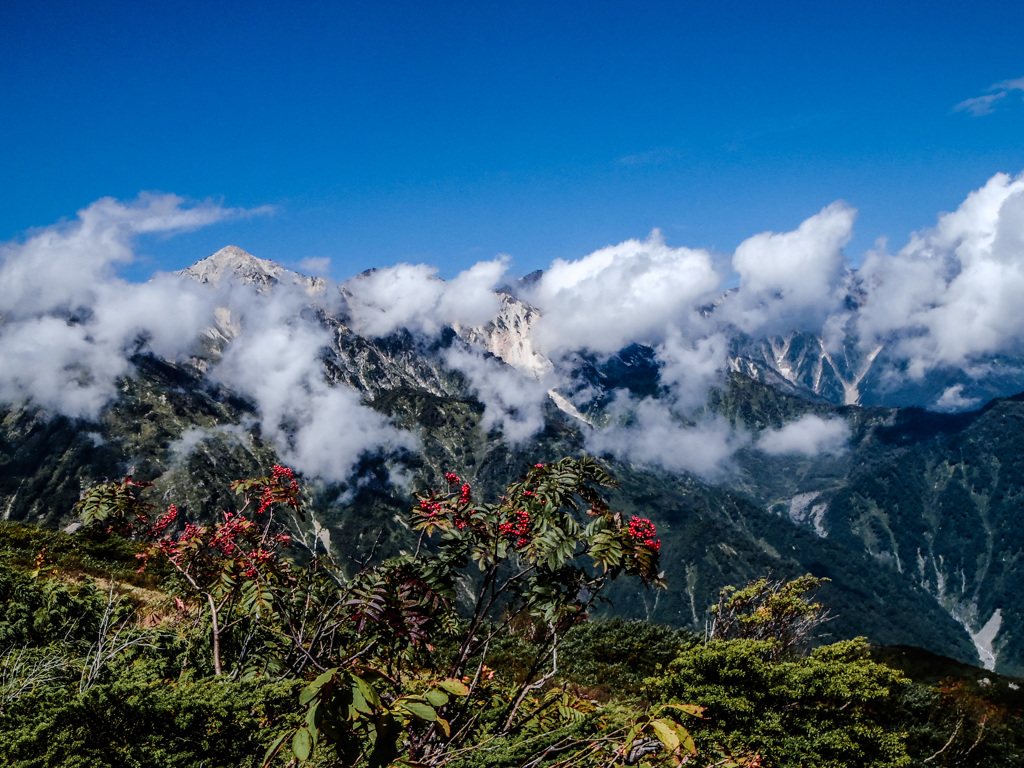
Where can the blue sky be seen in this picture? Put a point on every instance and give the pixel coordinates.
(448, 133)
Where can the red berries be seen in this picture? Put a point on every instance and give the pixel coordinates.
(282, 473)
(518, 528)
(164, 520)
(434, 508)
(283, 488)
(431, 507)
(643, 531)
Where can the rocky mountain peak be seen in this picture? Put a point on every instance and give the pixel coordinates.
(235, 264)
(507, 337)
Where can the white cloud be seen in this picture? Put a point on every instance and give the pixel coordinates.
(167, 313)
(316, 266)
(69, 324)
(179, 450)
(469, 299)
(277, 361)
(952, 399)
(620, 294)
(56, 365)
(653, 435)
(953, 293)
(789, 281)
(810, 435)
(61, 267)
(513, 401)
(984, 104)
(949, 299)
(410, 296)
(690, 368)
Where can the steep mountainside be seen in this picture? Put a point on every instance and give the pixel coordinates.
(850, 374)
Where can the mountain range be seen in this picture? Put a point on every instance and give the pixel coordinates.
(801, 454)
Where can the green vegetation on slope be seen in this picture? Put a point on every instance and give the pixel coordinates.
(479, 652)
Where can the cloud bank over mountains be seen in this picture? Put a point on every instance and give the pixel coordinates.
(792, 281)
(277, 361)
(636, 291)
(409, 296)
(952, 295)
(69, 325)
(809, 435)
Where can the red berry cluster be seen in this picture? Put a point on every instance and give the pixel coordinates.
(282, 473)
(226, 534)
(265, 500)
(284, 487)
(236, 545)
(163, 521)
(641, 529)
(518, 529)
(169, 548)
(452, 479)
(431, 507)
(256, 557)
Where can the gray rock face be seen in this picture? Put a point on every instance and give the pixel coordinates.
(507, 337)
(849, 374)
(372, 366)
(802, 361)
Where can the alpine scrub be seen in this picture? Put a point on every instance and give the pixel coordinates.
(222, 644)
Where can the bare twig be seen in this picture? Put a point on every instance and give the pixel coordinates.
(540, 683)
(945, 746)
(110, 642)
(20, 673)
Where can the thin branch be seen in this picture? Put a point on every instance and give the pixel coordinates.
(540, 683)
(364, 561)
(108, 646)
(946, 745)
(17, 675)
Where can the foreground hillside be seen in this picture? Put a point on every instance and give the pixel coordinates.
(111, 665)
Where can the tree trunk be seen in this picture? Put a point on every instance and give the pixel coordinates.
(215, 630)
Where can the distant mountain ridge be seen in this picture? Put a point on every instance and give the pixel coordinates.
(799, 362)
